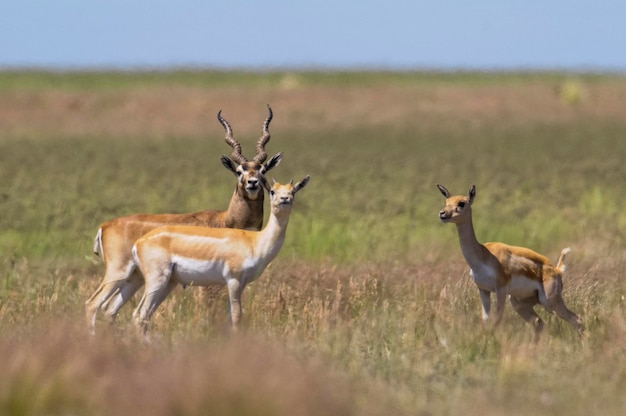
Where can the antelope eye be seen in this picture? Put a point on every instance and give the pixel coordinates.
(272, 192)
(461, 204)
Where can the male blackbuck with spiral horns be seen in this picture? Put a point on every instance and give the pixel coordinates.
(199, 256)
(115, 238)
(526, 276)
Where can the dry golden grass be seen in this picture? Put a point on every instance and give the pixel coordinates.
(61, 370)
(369, 340)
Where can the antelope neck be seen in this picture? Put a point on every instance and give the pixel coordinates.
(471, 248)
(273, 235)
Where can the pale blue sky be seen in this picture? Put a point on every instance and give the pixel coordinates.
(392, 34)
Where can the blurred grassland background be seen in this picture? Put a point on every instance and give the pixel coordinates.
(368, 306)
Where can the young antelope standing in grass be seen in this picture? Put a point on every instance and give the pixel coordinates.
(526, 276)
(199, 256)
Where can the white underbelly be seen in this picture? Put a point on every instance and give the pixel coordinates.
(519, 286)
(522, 287)
(191, 272)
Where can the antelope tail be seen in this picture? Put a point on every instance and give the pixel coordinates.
(560, 265)
(97, 244)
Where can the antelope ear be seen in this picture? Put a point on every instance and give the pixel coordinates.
(472, 193)
(444, 191)
(273, 162)
(301, 184)
(229, 164)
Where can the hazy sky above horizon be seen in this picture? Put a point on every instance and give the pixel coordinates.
(273, 34)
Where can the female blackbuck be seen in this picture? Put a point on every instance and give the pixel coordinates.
(526, 276)
(200, 256)
(115, 238)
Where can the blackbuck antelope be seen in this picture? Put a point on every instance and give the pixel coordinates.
(526, 276)
(199, 256)
(115, 238)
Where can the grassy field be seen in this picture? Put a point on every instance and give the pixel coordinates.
(368, 309)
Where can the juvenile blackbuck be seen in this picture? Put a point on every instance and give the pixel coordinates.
(200, 256)
(526, 276)
(115, 238)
